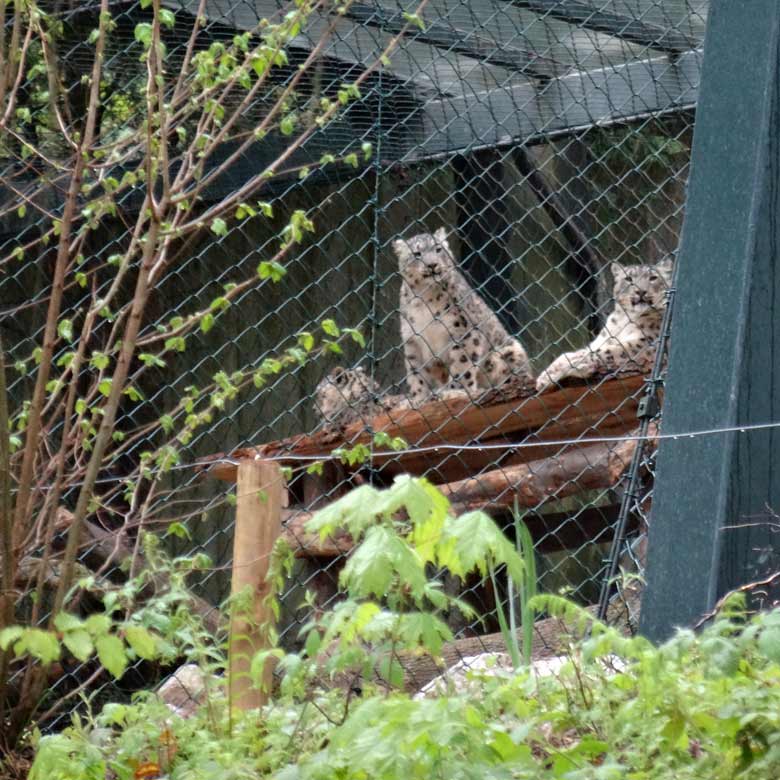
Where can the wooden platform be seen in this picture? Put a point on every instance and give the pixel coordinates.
(525, 461)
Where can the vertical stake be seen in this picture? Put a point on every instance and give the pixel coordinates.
(258, 525)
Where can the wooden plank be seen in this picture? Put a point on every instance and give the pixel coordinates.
(258, 525)
(571, 411)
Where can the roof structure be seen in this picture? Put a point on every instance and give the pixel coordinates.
(494, 72)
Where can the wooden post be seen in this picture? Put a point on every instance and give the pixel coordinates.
(258, 524)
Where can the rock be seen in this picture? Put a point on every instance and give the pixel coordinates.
(185, 690)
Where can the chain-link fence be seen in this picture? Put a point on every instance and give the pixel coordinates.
(525, 158)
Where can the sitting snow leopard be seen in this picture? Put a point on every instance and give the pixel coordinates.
(628, 339)
(453, 341)
(346, 395)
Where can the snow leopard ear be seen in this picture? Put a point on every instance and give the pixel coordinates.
(618, 271)
(441, 235)
(665, 267)
(401, 248)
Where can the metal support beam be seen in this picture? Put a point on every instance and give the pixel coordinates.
(464, 42)
(582, 264)
(483, 226)
(602, 96)
(706, 535)
(629, 29)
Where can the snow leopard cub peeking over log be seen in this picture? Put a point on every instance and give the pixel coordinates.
(629, 338)
(454, 344)
(347, 395)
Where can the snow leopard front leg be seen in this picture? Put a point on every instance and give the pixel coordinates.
(464, 371)
(579, 364)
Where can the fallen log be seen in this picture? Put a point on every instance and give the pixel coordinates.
(575, 470)
(550, 638)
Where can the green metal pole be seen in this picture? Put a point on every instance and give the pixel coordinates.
(706, 534)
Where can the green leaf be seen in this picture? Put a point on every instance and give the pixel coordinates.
(65, 622)
(259, 661)
(415, 20)
(472, 542)
(143, 34)
(381, 557)
(65, 330)
(133, 393)
(105, 387)
(219, 227)
(207, 322)
(99, 360)
(313, 643)
(330, 327)
(306, 340)
(356, 336)
(355, 512)
(80, 644)
(142, 641)
(151, 360)
(270, 269)
(42, 645)
(178, 530)
(9, 635)
(98, 625)
(112, 654)
(769, 643)
(167, 18)
(21, 211)
(391, 671)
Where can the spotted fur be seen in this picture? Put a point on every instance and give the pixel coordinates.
(629, 338)
(346, 395)
(453, 342)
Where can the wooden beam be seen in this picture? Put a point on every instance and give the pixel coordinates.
(575, 470)
(551, 532)
(531, 484)
(591, 17)
(258, 525)
(575, 410)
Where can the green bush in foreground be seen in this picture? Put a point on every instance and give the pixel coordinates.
(699, 707)
(703, 706)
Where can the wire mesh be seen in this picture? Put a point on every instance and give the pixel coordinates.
(549, 139)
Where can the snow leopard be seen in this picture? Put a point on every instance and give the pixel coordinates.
(346, 395)
(629, 338)
(454, 344)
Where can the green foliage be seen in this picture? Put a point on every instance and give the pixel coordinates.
(618, 708)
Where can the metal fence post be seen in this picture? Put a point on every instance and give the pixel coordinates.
(724, 368)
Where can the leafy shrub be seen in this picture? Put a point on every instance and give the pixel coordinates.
(699, 706)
